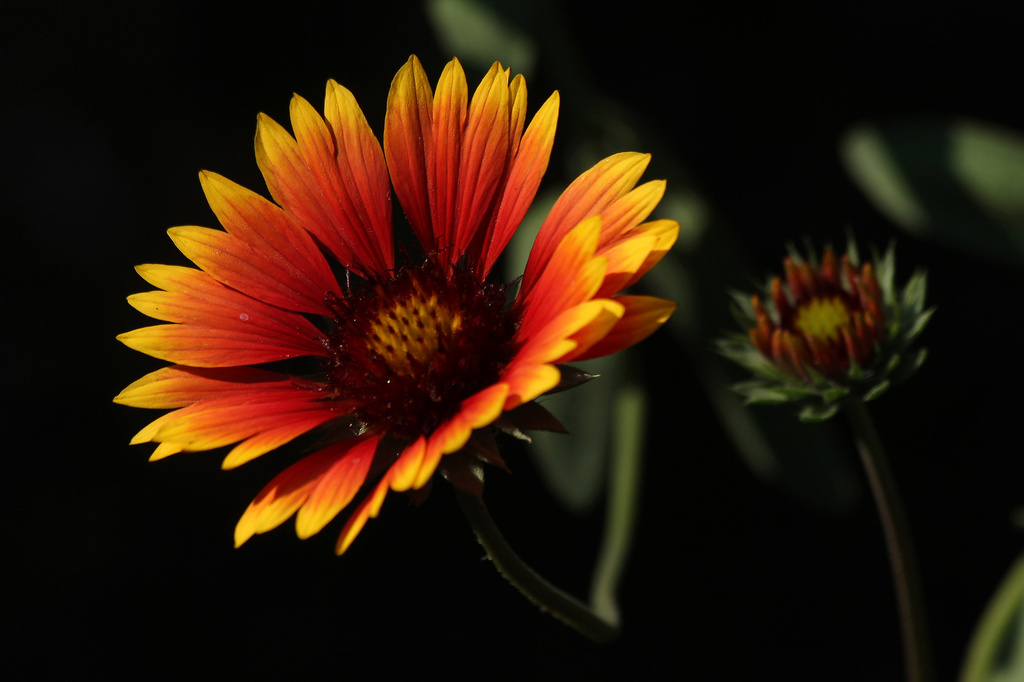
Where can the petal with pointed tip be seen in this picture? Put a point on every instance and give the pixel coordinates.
(265, 253)
(589, 195)
(336, 486)
(178, 385)
(528, 167)
(643, 316)
(367, 509)
(408, 137)
(449, 120)
(287, 492)
(484, 158)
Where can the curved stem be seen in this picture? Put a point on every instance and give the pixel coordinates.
(561, 605)
(905, 574)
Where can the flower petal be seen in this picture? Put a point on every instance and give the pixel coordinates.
(368, 508)
(484, 158)
(643, 316)
(362, 171)
(529, 164)
(281, 265)
(259, 422)
(449, 121)
(289, 490)
(528, 381)
(408, 137)
(590, 194)
(403, 471)
(610, 312)
(336, 486)
(475, 412)
(358, 204)
(178, 385)
(220, 327)
(625, 257)
(665, 233)
(629, 210)
(573, 276)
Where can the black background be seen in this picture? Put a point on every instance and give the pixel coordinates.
(124, 568)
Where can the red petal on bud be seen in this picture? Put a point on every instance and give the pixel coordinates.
(761, 334)
(781, 303)
(852, 350)
(870, 284)
(790, 352)
(830, 267)
(762, 341)
(793, 278)
(819, 351)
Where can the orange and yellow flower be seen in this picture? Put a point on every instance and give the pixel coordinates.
(416, 364)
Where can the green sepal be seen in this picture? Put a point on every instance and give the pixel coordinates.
(877, 390)
(818, 413)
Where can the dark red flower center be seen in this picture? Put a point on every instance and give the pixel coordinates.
(410, 349)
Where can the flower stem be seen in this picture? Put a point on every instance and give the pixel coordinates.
(905, 574)
(566, 608)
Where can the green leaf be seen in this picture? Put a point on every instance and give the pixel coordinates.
(996, 649)
(957, 181)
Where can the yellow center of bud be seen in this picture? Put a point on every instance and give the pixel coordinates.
(822, 318)
(413, 330)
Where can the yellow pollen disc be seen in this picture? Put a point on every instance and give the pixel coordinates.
(413, 331)
(822, 318)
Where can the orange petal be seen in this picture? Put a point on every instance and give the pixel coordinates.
(359, 207)
(178, 386)
(572, 276)
(205, 347)
(294, 187)
(260, 424)
(588, 195)
(644, 315)
(408, 135)
(368, 508)
(288, 491)
(265, 253)
(628, 211)
(484, 158)
(611, 312)
(517, 113)
(234, 263)
(665, 232)
(528, 167)
(526, 382)
(449, 120)
(475, 412)
(336, 486)
(403, 471)
(625, 257)
(221, 327)
(556, 339)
